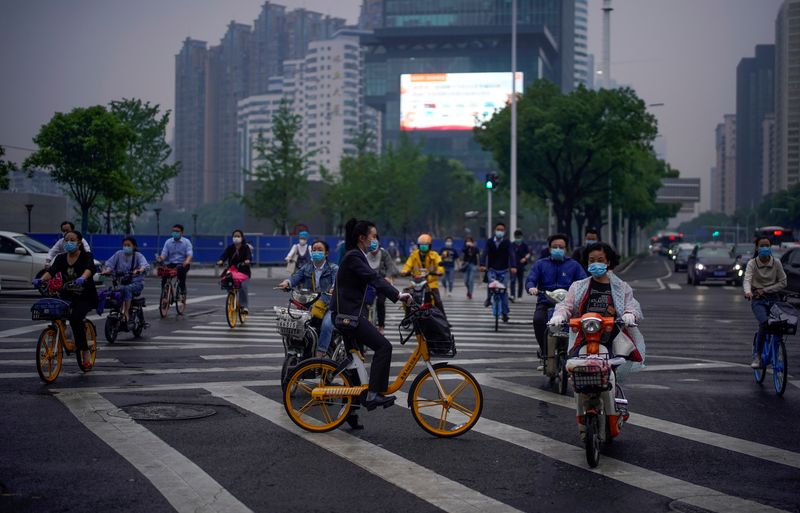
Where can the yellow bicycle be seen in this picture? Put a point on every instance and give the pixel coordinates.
(445, 400)
(234, 313)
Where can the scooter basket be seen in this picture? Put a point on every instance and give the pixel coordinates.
(49, 309)
(589, 379)
(292, 326)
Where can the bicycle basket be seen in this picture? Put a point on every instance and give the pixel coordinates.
(591, 377)
(292, 326)
(442, 348)
(782, 319)
(49, 309)
(167, 272)
(434, 327)
(226, 282)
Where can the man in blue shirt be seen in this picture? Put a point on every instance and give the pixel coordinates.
(557, 271)
(177, 252)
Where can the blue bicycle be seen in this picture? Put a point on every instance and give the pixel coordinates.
(782, 323)
(498, 295)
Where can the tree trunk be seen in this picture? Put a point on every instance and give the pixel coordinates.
(128, 215)
(108, 218)
(84, 218)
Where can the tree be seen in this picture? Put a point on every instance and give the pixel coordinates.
(85, 151)
(283, 173)
(6, 167)
(571, 147)
(146, 171)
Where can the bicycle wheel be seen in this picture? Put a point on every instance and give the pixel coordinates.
(180, 300)
(111, 329)
(166, 299)
(289, 363)
(592, 441)
(563, 375)
(242, 313)
(780, 366)
(448, 416)
(311, 414)
(91, 340)
(137, 331)
(760, 373)
(48, 355)
(231, 314)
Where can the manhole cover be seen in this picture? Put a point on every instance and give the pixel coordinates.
(164, 411)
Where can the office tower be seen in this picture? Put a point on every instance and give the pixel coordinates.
(190, 103)
(724, 187)
(787, 95)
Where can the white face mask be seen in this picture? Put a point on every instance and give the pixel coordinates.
(237, 240)
(303, 242)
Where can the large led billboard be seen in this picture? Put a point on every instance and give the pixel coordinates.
(452, 101)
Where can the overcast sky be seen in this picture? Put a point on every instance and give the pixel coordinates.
(58, 54)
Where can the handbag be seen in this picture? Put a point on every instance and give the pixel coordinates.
(344, 321)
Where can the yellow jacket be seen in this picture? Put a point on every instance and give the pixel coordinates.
(433, 263)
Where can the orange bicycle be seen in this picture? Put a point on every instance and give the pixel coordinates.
(445, 400)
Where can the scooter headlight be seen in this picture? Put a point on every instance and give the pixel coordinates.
(592, 325)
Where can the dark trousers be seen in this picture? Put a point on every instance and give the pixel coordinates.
(517, 282)
(368, 335)
(380, 306)
(437, 299)
(182, 270)
(79, 308)
(540, 324)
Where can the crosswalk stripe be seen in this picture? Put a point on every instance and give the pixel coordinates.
(754, 449)
(184, 484)
(429, 486)
(32, 362)
(674, 286)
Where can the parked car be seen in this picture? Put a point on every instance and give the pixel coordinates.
(714, 262)
(680, 256)
(743, 252)
(21, 258)
(791, 265)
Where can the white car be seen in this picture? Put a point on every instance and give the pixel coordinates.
(21, 257)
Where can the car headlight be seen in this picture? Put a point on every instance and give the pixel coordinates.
(674, 257)
(699, 267)
(741, 273)
(591, 325)
(737, 267)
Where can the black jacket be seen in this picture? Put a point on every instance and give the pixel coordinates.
(498, 256)
(237, 258)
(352, 280)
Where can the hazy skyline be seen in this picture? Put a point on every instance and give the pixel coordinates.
(59, 54)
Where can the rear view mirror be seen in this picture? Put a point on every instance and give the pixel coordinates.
(20, 251)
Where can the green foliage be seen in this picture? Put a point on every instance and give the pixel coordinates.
(283, 173)
(145, 171)
(85, 151)
(571, 147)
(6, 167)
(702, 223)
(782, 208)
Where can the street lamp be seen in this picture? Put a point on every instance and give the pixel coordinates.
(513, 116)
(29, 206)
(194, 225)
(158, 226)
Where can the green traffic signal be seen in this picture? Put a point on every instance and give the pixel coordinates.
(489, 184)
(715, 234)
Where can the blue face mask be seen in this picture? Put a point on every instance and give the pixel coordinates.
(176, 235)
(589, 243)
(499, 234)
(70, 246)
(557, 253)
(597, 269)
(373, 245)
(128, 250)
(317, 256)
(764, 251)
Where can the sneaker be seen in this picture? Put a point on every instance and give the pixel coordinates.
(449, 294)
(245, 311)
(540, 368)
(505, 317)
(469, 295)
(511, 298)
(756, 363)
(487, 303)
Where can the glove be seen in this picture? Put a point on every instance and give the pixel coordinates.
(405, 297)
(80, 281)
(556, 320)
(629, 319)
(36, 282)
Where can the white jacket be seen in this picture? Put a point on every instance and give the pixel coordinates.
(58, 248)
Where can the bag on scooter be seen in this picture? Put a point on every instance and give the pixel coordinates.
(783, 319)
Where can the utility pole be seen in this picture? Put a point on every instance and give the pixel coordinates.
(607, 84)
(513, 203)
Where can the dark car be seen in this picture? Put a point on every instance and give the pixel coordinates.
(714, 262)
(791, 265)
(680, 257)
(743, 252)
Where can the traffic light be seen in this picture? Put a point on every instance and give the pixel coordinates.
(491, 181)
(715, 234)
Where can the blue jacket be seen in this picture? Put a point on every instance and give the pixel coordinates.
(548, 274)
(305, 276)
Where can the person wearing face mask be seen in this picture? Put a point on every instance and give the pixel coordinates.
(352, 280)
(764, 277)
(128, 260)
(382, 263)
(471, 257)
(424, 260)
(497, 259)
(239, 255)
(394, 251)
(590, 237)
(299, 254)
(177, 252)
(449, 256)
(76, 266)
(557, 271)
(318, 276)
(522, 254)
(58, 247)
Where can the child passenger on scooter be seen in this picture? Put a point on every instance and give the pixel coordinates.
(606, 294)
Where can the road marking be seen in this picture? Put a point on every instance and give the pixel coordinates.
(754, 449)
(660, 284)
(40, 326)
(728, 287)
(617, 470)
(135, 389)
(674, 286)
(702, 287)
(31, 361)
(184, 484)
(429, 486)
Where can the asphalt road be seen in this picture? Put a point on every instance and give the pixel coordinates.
(702, 435)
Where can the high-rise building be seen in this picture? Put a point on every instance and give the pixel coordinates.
(190, 105)
(716, 190)
(371, 15)
(755, 98)
(267, 52)
(303, 26)
(583, 62)
(787, 94)
(420, 36)
(723, 188)
(769, 169)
